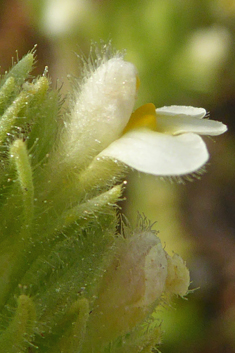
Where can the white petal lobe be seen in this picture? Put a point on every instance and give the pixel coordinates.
(180, 124)
(159, 154)
(174, 110)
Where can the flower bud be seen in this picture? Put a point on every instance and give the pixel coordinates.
(178, 279)
(130, 288)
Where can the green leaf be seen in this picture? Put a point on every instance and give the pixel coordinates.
(20, 332)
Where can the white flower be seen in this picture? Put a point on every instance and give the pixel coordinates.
(163, 141)
(60, 17)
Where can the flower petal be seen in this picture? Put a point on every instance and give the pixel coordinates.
(159, 154)
(174, 110)
(180, 124)
(102, 108)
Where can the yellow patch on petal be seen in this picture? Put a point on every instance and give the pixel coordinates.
(144, 116)
(137, 83)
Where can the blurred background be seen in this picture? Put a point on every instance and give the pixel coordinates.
(185, 54)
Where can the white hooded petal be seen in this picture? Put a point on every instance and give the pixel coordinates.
(105, 102)
(179, 124)
(159, 154)
(101, 110)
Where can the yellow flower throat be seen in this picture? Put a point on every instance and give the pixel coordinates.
(144, 116)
